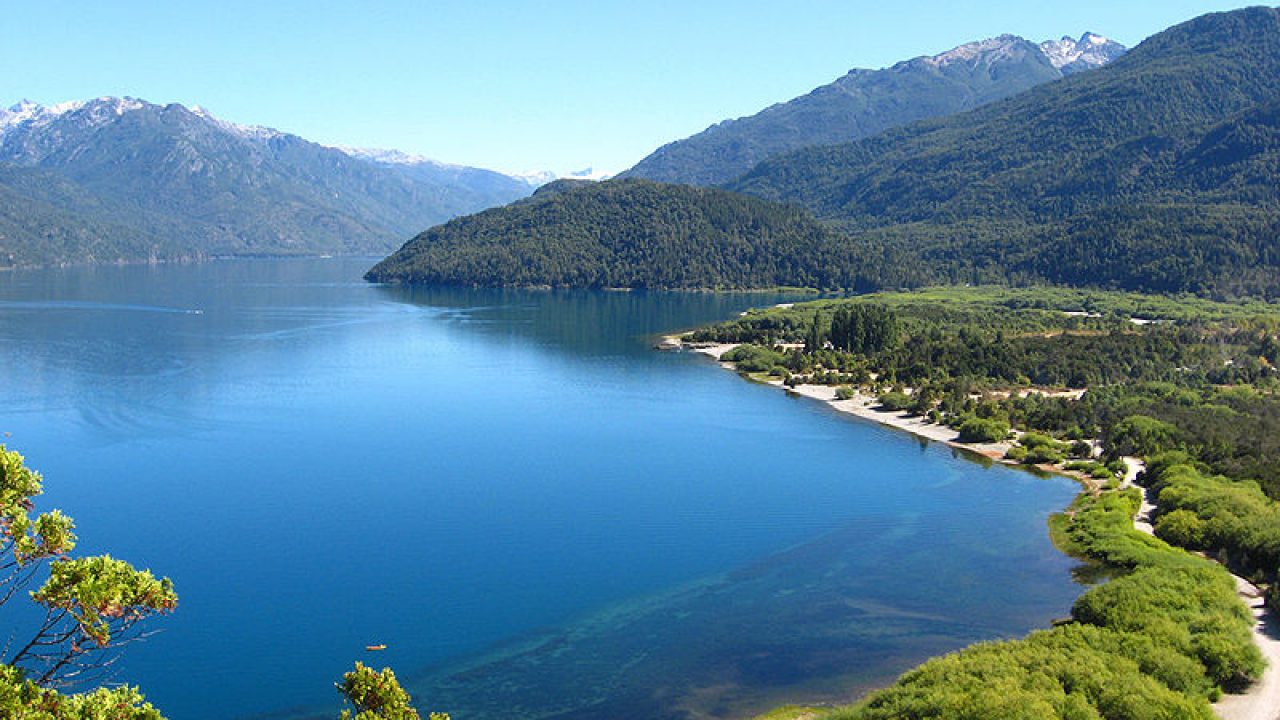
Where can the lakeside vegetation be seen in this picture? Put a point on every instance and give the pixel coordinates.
(1204, 370)
(1076, 380)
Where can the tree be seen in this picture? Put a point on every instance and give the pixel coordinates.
(813, 338)
(377, 696)
(1143, 436)
(92, 607)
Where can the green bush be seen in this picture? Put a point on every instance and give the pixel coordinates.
(1141, 435)
(1182, 528)
(895, 401)
(983, 430)
(753, 358)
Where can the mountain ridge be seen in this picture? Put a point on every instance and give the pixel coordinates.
(183, 184)
(1098, 160)
(864, 102)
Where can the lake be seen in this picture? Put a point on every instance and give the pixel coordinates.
(538, 514)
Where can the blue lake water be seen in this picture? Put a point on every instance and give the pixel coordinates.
(538, 514)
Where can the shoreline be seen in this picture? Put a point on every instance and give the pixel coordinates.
(1262, 699)
(864, 406)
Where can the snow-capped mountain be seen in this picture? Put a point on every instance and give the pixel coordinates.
(867, 102)
(538, 178)
(121, 179)
(391, 157)
(990, 51)
(1090, 51)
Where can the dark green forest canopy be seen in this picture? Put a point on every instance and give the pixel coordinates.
(624, 234)
(1156, 172)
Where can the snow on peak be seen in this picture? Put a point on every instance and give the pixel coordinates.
(97, 111)
(390, 157)
(1091, 50)
(538, 178)
(250, 132)
(29, 112)
(995, 48)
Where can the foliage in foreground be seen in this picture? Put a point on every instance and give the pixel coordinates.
(93, 605)
(377, 695)
(22, 699)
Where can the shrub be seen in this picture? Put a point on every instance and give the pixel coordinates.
(983, 430)
(1142, 435)
(1181, 527)
(895, 401)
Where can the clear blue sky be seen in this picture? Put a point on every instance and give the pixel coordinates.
(508, 84)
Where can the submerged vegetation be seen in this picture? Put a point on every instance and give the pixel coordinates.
(1159, 641)
(1078, 380)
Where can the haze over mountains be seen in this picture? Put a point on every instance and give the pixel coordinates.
(1155, 172)
(866, 102)
(121, 179)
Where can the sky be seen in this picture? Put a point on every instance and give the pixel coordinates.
(514, 85)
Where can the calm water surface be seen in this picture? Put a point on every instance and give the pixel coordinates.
(541, 516)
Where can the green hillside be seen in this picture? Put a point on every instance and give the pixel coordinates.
(624, 233)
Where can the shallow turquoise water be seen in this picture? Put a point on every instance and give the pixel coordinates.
(538, 514)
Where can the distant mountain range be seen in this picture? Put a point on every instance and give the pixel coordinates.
(1156, 172)
(866, 102)
(124, 180)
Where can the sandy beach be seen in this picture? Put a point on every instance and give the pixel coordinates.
(863, 406)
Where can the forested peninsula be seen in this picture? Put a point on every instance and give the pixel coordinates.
(1077, 382)
(624, 234)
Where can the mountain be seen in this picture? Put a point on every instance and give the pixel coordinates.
(866, 102)
(538, 178)
(122, 180)
(469, 188)
(622, 233)
(1156, 172)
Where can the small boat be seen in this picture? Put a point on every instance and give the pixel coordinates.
(375, 648)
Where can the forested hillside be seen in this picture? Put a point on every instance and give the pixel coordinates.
(624, 233)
